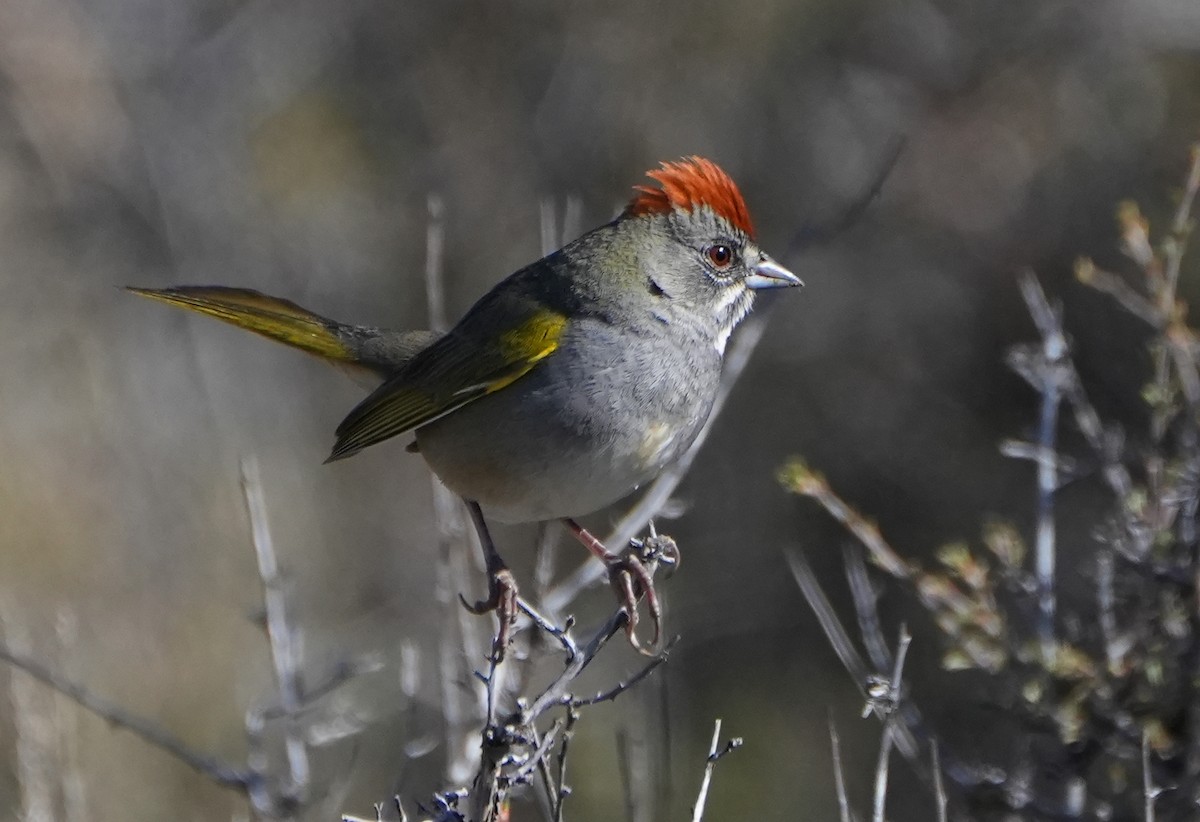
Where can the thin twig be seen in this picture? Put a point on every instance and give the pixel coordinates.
(710, 765)
(1051, 377)
(1106, 604)
(881, 772)
(556, 692)
(866, 603)
(563, 790)
(624, 685)
(838, 638)
(458, 641)
(562, 635)
(1106, 445)
(800, 479)
(901, 656)
(285, 640)
(220, 773)
(810, 235)
(1179, 230)
(839, 777)
(1126, 296)
(539, 754)
(1150, 791)
(625, 767)
(842, 645)
(889, 725)
(939, 788)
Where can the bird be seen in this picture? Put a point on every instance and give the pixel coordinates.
(570, 383)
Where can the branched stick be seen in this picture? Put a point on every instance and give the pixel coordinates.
(1126, 296)
(501, 736)
(800, 479)
(1106, 445)
(1049, 375)
(624, 685)
(209, 766)
(843, 646)
(714, 755)
(557, 692)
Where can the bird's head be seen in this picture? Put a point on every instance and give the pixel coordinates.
(696, 246)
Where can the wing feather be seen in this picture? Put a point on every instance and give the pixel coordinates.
(458, 369)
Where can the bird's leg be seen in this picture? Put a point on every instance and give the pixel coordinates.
(629, 573)
(502, 586)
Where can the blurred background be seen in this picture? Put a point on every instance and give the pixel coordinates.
(291, 147)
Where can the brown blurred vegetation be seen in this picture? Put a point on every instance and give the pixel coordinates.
(291, 147)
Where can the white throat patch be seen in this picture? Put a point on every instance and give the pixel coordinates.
(734, 305)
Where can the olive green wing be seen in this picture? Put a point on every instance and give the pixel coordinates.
(464, 365)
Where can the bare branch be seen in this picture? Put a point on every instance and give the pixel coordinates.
(563, 749)
(1180, 229)
(939, 788)
(285, 640)
(866, 602)
(145, 729)
(624, 685)
(889, 725)
(881, 772)
(562, 635)
(710, 765)
(1049, 375)
(839, 777)
(839, 640)
(1106, 282)
(800, 479)
(1150, 791)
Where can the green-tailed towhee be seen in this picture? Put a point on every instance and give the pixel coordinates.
(571, 382)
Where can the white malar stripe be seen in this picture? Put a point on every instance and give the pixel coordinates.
(722, 339)
(734, 305)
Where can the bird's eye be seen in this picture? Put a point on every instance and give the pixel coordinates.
(720, 255)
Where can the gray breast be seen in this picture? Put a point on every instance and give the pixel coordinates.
(584, 428)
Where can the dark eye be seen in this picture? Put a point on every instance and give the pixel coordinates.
(720, 255)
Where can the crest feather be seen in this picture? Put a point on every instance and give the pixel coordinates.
(688, 183)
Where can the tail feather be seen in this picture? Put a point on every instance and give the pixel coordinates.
(370, 353)
(271, 317)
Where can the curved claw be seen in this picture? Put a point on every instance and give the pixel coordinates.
(480, 606)
(630, 579)
(502, 598)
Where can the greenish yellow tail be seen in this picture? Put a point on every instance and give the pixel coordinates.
(379, 351)
(272, 317)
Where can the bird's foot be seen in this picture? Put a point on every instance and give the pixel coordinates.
(631, 574)
(502, 598)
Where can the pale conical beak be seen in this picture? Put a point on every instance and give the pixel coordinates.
(767, 273)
